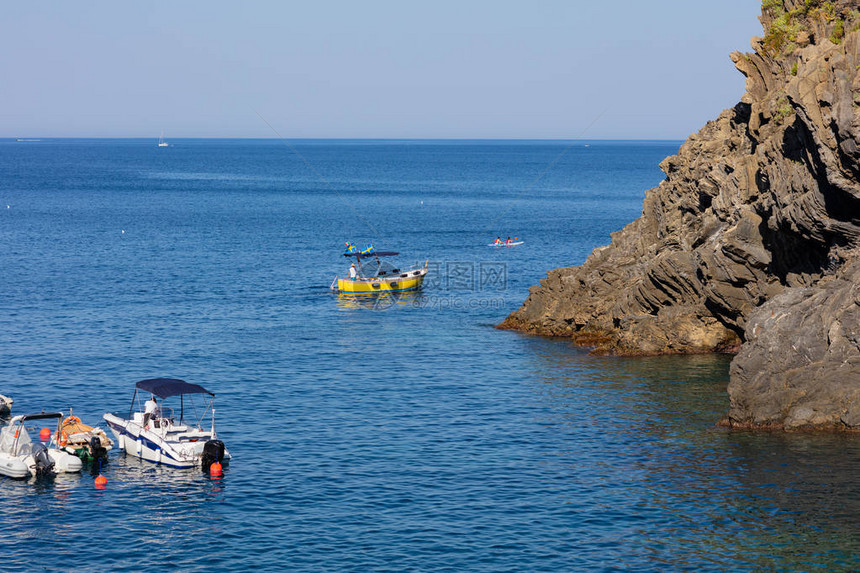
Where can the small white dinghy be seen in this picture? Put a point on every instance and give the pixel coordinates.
(21, 457)
(157, 435)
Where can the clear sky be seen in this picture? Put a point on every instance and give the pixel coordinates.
(623, 69)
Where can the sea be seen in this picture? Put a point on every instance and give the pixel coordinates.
(389, 433)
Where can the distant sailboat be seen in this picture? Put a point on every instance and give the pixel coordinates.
(161, 142)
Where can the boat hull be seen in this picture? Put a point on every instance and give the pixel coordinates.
(65, 462)
(405, 281)
(21, 467)
(14, 467)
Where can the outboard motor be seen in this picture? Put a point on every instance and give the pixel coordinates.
(97, 451)
(213, 451)
(44, 463)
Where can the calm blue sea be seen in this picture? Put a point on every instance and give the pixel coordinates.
(394, 434)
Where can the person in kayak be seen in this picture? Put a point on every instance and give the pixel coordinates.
(508, 242)
(498, 241)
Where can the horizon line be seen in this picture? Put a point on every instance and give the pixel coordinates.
(551, 139)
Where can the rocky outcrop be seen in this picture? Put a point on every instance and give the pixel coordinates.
(800, 364)
(759, 212)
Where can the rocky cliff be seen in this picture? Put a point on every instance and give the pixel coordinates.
(749, 244)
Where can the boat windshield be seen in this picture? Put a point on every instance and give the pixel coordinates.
(380, 268)
(190, 411)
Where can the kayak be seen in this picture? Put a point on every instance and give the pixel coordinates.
(506, 244)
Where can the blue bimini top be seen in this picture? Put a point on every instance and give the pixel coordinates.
(167, 387)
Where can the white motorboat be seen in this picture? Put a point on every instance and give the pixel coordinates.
(160, 437)
(21, 457)
(161, 142)
(5, 405)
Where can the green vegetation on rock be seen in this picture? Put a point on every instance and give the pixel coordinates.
(785, 26)
(838, 32)
(782, 30)
(783, 109)
(771, 5)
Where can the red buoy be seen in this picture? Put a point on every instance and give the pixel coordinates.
(45, 434)
(215, 469)
(101, 482)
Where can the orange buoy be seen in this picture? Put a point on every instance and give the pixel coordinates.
(45, 434)
(101, 482)
(215, 469)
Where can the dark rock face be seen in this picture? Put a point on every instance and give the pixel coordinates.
(762, 205)
(800, 365)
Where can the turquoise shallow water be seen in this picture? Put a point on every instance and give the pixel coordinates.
(391, 434)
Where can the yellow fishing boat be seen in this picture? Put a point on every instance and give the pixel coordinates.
(371, 273)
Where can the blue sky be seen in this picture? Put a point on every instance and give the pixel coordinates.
(371, 69)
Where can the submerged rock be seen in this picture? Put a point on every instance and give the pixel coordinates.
(759, 213)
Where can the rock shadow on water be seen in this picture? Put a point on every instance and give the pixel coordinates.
(683, 391)
(646, 427)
